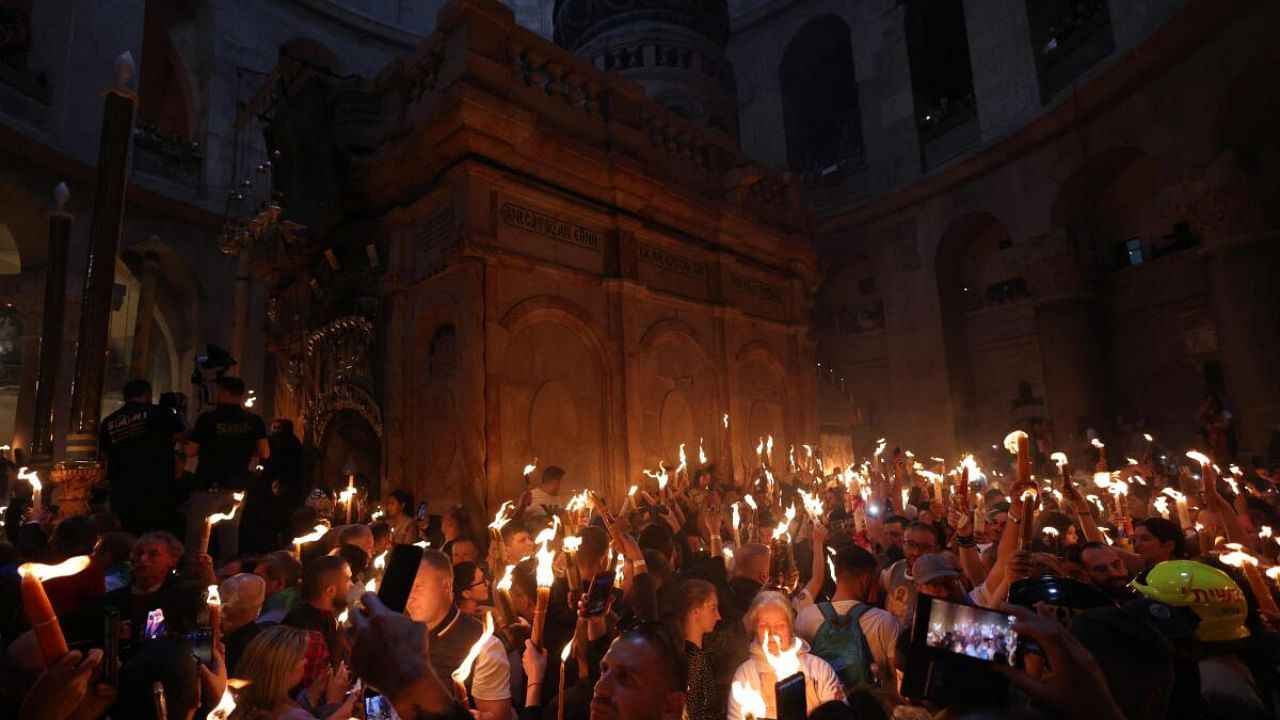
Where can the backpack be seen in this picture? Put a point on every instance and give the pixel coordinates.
(841, 642)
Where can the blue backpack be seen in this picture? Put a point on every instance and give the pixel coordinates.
(841, 642)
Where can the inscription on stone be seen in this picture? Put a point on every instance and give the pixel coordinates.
(758, 288)
(528, 220)
(671, 262)
(433, 241)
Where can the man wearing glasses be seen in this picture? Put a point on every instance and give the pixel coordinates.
(899, 585)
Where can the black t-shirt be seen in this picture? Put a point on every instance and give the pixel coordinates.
(228, 438)
(138, 442)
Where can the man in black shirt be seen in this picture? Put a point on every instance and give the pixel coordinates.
(138, 441)
(228, 442)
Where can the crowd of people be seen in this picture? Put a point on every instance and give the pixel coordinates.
(784, 590)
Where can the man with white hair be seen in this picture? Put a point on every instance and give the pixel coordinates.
(242, 597)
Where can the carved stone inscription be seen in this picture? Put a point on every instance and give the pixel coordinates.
(757, 288)
(528, 220)
(432, 242)
(671, 262)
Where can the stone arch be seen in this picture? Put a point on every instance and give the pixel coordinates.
(177, 63)
(938, 53)
(554, 392)
(963, 251)
(762, 397)
(349, 442)
(1245, 125)
(820, 97)
(679, 393)
(1111, 199)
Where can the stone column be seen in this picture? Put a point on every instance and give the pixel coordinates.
(82, 468)
(140, 361)
(28, 377)
(51, 333)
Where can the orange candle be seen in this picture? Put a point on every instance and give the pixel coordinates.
(44, 623)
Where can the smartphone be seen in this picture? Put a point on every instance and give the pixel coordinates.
(422, 511)
(397, 581)
(155, 624)
(376, 707)
(791, 699)
(597, 600)
(201, 644)
(968, 631)
(110, 645)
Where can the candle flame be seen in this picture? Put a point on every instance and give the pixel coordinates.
(505, 582)
(684, 461)
(30, 476)
(812, 505)
(568, 648)
(1029, 494)
(1199, 457)
(226, 705)
(1131, 461)
(1264, 531)
(216, 518)
(1173, 494)
(316, 533)
(1162, 506)
(702, 454)
(41, 572)
(726, 421)
(1051, 531)
(380, 562)
(546, 556)
(785, 525)
(344, 615)
(1011, 441)
(1097, 443)
(376, 515)
(571, 543)
(528, 469)
(212, 597)
(750, 501)
(1238, 556)
(737, 517)
(760, 449)
(1147, 437)
(785, 662)
(831, 568)
(749, 699)
(632, 491)
(503, 516)
(768, 447)
(1102, 479)
(1059, 459)
(880, 446)
(371, 585)
(1274, 573)
(464, 670)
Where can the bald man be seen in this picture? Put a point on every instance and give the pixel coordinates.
(242, 598)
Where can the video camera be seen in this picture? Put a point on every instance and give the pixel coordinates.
(211, 365)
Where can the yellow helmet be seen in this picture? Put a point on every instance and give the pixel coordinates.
(1207, 591)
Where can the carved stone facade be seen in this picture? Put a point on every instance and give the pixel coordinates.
(566, 270)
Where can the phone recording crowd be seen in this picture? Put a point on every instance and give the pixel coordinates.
(1018, 586)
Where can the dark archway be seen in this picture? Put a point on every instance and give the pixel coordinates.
(820, 99)
(941, 76)
(349, 444)
(1110, 210)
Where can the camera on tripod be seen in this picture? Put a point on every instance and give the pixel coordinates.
(211, 366)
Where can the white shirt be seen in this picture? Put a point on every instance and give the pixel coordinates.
(539, 502)
(491, 674)
(880, 628)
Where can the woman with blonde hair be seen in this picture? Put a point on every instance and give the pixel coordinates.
(769, 620)
(273, 665)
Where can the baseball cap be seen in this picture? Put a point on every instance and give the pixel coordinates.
(933, 566)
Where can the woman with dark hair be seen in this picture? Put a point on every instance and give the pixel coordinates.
(455, 524)
(1157, 540)
(398, 512)
(699, 613)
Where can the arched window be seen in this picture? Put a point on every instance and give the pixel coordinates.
(442, 354)
(941, 78)
(820, 100)
(1068, 38)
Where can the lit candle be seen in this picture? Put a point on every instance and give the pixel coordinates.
(1248, 564)
(500, 520)
(1029, 498)
(214, 601)
(464, 670)
(1180, 501)
(545, 577)
(750, 700)
(506, 608)
(564, 663)
(224, 708)
(316, 533)
(570, 547)
(216, 518)
(37, 487)
(39, 611)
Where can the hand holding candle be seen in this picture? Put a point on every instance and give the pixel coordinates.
(546, 577)
(37, 488)
(464, 670)
(216, 518)
(316, 533)
(39, 611)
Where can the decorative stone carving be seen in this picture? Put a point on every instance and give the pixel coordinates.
(338, 373)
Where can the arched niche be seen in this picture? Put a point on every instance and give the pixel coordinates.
(439, 411)
(350, 443)
(552, 394)
(1110, 209)
(679, 397)
(820, 98)
(762, 399)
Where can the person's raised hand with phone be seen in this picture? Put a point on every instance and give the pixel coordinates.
(1074, 687)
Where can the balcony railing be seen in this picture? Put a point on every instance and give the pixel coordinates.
(172, 158)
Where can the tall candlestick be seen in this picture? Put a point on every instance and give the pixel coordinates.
(39, 611)
(51, 331)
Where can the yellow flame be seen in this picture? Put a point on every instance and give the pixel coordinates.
(1162, 506)
(632, 491)
(1131, 461)
(1264, 531)
(1059, 458)
(880, 446)
(376, 515)
(226, 705)
(749, 699)
(30, 476)
(1097, 443)
(505, 582)
(464, 670)
(1050, 530)
(785, 525)
(684, 461)
(1119, 487)
(568, 648)
(831, 568)
(1199, 457)
(216, 518)
(786, 662)
(737, 518)
(1274, 573)
(41, 572)
(1173, 494)
(1147, 437)
(371, 585)
(768, 447)
(316, 533)
(546, 556)
(380, 562)
(212, 597)
(528, 469)
(750, 501)
(503, 516)
(1102, 480)
(342, 616)
(1238, 557)
(726, 421)
(1011, 441)
(571, 543)
(702, 454)
(760, 449)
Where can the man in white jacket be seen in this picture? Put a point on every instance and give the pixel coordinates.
(777, 654)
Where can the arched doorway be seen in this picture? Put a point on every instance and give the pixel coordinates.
(350, 445)
(820, 100)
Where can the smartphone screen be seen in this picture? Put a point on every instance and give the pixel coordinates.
(422, 511)
(791, 698)
(376, 707)
(973, 632)
(397, 581)
(155, 624)
(598, 594)
(202, 644)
